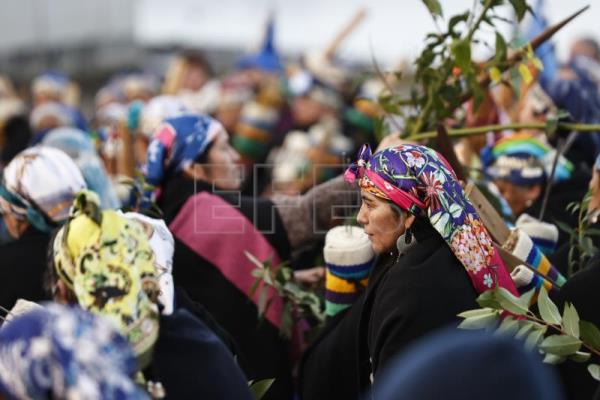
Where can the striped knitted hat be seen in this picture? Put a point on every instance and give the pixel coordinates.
(543, 234)
(348, 256)
(253, 135)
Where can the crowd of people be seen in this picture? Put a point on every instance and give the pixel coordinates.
(128, 236)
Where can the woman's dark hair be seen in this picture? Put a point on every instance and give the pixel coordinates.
(420, 226)
(203, 157)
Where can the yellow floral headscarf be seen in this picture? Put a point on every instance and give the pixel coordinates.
(106, 259)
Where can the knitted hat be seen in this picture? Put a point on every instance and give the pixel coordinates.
(521, 246)
(348, 256)
(543, 234)
(254, 131)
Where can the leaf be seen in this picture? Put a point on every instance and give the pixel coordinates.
(495, 74)
(594, 370)
(534, 337)
(287, 320)
(561, 345)
(548, 310)
(520, 7)
(553, 359)
(434, 7)
(588, 245)
(566, 228)
(501, 49)
(488, 299)
(262, 299)
(479, 322)
(510, 303)
(537, 63)
(457, 19)
(571, 320)
(525, 328)
(477, 312)
(254, 260)
(508, 326)
(590, 334)
(461, 50)
(254, 287)
(261, 387)
(580, 356)
(525, 298)
(525, 73)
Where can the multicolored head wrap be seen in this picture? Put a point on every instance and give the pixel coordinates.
(65, 353)
(39, 186)
(177, 143)
(420, 181)
(523, 159)
(106, 259)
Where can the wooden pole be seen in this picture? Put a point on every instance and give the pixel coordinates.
(344, 33)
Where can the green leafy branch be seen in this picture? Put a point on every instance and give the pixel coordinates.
(298, 303)
(580, 238)
(558, 337)
(463, 132)
(445, 73)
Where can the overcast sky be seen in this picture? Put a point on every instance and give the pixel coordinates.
(394, 29)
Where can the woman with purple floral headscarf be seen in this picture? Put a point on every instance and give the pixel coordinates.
(435, 257)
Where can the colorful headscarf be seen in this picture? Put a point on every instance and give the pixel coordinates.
(163, 246)
(177, 143)
(80, 147)
(524, 160)
(421, 181)
(39, 186)
(65, 353)
(106, 259)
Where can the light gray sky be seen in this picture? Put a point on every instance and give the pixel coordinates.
(394, 29)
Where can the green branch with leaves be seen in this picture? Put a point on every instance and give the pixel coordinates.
(445, 72)
(581, 244)
(558, 337)
(298, 302)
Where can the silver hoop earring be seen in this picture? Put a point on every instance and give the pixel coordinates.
(405, 242)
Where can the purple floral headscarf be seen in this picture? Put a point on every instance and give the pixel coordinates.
(420, 181)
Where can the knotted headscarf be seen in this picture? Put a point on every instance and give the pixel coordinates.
(177, 143)
(65, 353)
(39, 186)
(420, 181)
(106, 259)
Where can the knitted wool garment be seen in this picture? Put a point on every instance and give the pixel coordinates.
(349, 257)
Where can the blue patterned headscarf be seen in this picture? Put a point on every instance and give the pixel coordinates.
(177, 143)
(65, 353)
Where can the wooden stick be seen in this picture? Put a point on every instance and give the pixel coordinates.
(493, 222)
(344, 33)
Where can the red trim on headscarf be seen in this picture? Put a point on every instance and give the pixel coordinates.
(401, 198)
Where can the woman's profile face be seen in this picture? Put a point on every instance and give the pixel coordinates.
(383, 225)
(223, 167)
(518, 197)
